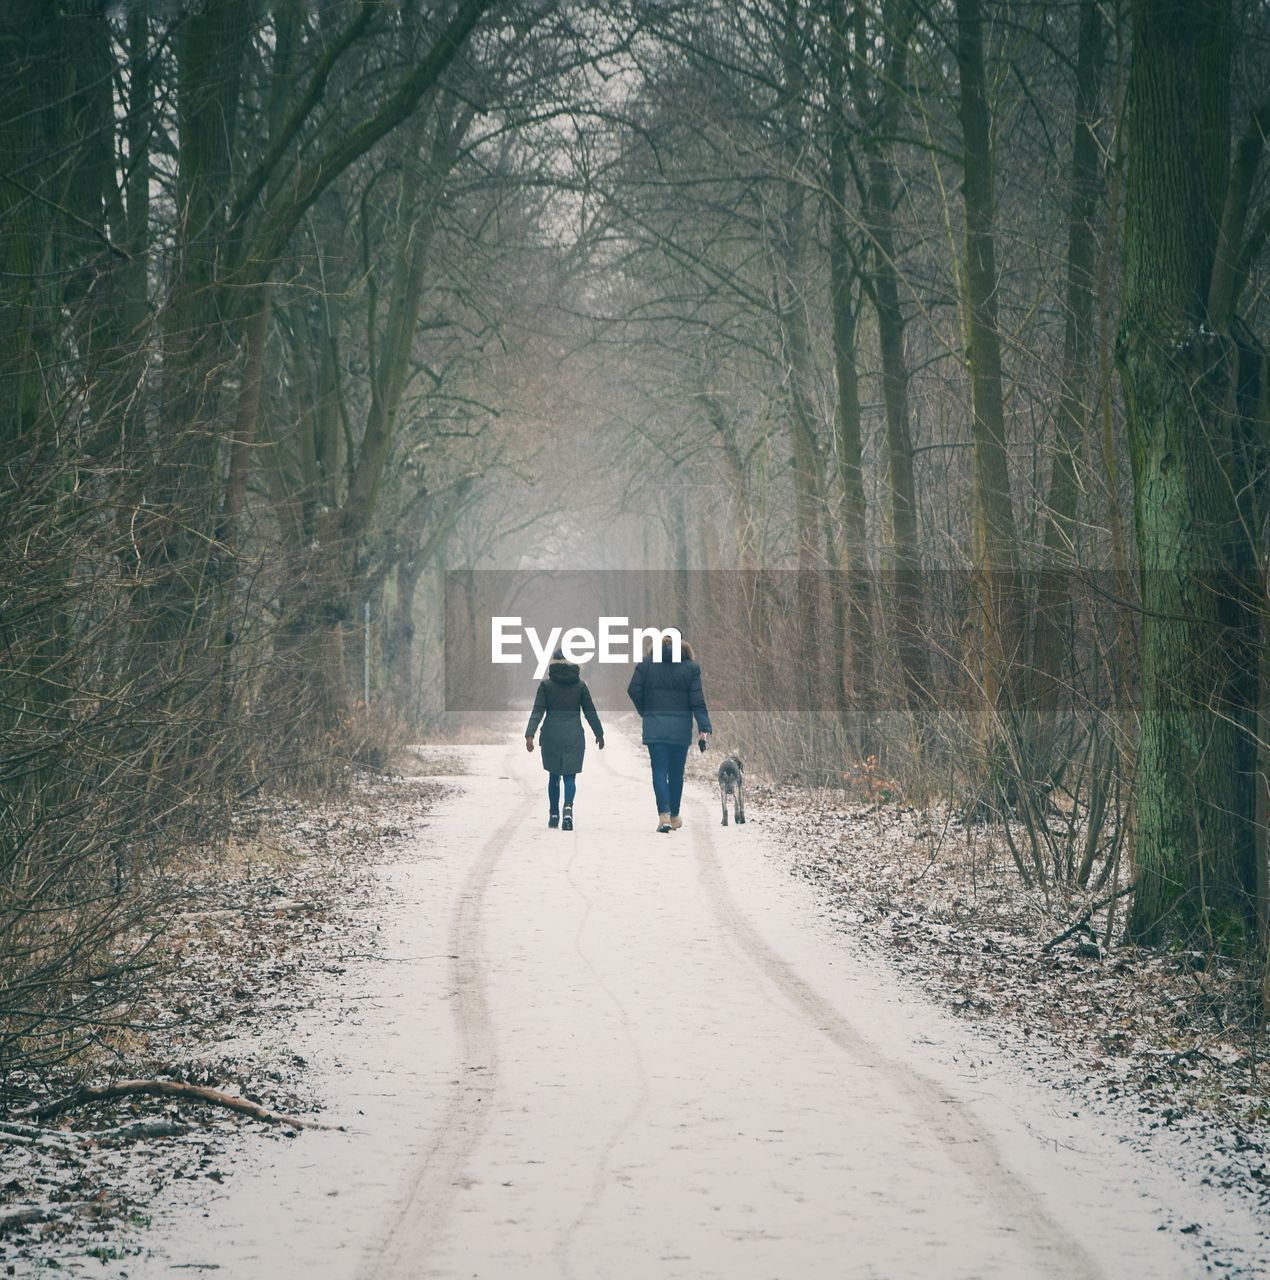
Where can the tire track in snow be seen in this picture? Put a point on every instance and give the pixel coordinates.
(967, 1143)
(403, 1253)
(600, 1181)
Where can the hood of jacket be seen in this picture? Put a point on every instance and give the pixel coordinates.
(685, 650)
(563, 671)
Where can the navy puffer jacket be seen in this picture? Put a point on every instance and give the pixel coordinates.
(668, 696)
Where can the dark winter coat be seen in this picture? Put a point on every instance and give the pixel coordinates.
(561, 696)
(668, 696)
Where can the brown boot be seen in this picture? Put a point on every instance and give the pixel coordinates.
(676, 822)
(663, 823)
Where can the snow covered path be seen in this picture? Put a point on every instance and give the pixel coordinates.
(617, 1054)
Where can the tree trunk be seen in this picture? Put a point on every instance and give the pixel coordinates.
(34, 79)
(791, 306)
(408, 570)
(734, 475)
(389, 377)
(179, 502)
(1059, 555)
(796, 353)
(904, 563)
(852, 579)
(1195, 871)
(995, 550)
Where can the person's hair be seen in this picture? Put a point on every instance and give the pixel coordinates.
(685, 649)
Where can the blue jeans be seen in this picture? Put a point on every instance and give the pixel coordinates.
(667, 760)
(553, 790)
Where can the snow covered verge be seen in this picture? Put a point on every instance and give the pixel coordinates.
(266, 928)
(1167, 1045)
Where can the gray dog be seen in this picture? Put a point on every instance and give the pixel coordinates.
(732, 783)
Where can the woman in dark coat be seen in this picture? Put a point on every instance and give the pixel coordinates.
(667, 695)
(561, 696)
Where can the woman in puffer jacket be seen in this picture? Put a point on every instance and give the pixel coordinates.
(561, 697)
(668, 697)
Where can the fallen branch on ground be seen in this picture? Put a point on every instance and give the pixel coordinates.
(50, 1141)
(66, 1140)
(21, 1130)
(87, 1094)
(1086, 916)
(27, 1215)
(135, 1131)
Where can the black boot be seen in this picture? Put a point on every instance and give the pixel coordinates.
(567, 824)
(553, 821)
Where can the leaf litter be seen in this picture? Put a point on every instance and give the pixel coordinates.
(263, 925)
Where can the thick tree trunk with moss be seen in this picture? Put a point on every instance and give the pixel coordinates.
(1194, 870)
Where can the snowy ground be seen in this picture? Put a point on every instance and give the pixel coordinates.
(1168, 1044)
(612, 1053)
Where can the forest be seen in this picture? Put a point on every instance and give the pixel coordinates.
(910, 355)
